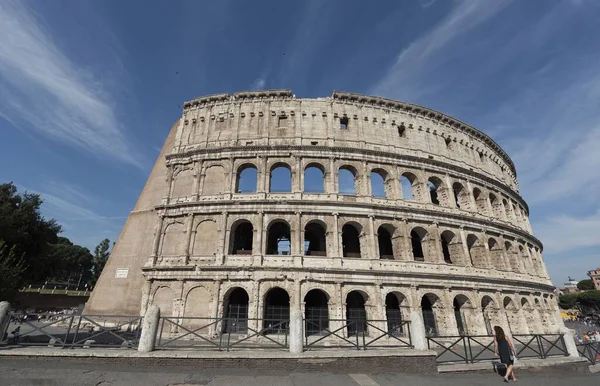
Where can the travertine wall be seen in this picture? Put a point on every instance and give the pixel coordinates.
(478, 250)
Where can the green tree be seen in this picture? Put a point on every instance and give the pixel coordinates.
(26, 232)
(11, 269)
(101, 254)
(586, 285)
(568, 301)
(71, 263)
(590, 300)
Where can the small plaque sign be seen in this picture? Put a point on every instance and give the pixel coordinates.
(122, 273)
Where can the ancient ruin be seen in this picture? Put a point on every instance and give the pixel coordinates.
(345, 207)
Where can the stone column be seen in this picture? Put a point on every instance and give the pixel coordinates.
(196, 182)
(336, 237)
(374, 242)
(201, 181)
(434, 245)
(149, 329)
(569, 342)
(189, 228)
(463, 237)
(296, 322)
(332, 177)
(365, 186)
(446, 312)
(216, 327)
(263, 174)
(417, 330)
(407, 242)
(296, 242)
(157, 238)
(259, 247)
(225, 234)
(297, 175)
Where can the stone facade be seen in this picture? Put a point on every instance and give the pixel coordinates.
(453, 239)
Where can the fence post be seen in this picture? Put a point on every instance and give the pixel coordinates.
(417, 331)
(149, 329)
(4, 318)
(296, 331)
(569, 340)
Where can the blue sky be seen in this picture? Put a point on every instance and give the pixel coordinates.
(88, 91)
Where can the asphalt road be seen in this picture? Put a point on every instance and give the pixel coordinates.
(64, 373)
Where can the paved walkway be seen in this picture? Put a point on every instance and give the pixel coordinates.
(53, 372)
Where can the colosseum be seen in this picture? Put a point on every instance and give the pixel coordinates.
(349, 207)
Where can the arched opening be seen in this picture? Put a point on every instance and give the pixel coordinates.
(461, 197)
(386, 249)
(512, 257)
(241, 236)
(457, 305)
(474, 250)
(450, 247)
(506, 209)
(427, 302)
(315, 240)
(277, 311)
(496, 206)
(278, 239)
(434, 184)
(378, 183)
(480, 201)
(350, 241)
(417, 236)
(247, 177)
(393, 315)
(316, 312)
(314, 179)
(496, 256)
(407, 182)
(356, 315)
(347, 180)
(487, 306)
(281, 179)
(236, 310)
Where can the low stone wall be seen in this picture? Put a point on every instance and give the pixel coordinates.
(422, 364)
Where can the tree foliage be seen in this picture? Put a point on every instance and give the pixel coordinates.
(26, 232)
(11, 269)
(101, 254)
(31, 250)
(590, 300)
(586, 285)
(568, 301)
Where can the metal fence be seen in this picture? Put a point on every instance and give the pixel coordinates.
(590, 351)
(476, 348)
(223, 334)
(355, 334)
(71, 330)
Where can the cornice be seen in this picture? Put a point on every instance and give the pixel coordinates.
(365, 100)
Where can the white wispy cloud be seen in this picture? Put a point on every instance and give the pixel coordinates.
(407, 77)
(258, 84)
(42, 89)
(566, 233)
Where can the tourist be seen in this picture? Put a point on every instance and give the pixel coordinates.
(16, 333)
(504, 348)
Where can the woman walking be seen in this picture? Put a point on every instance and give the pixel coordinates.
(505, 349)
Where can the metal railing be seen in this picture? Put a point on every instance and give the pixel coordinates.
(222, 333)
(590, 351)
(355, 334)
(71, 330)
(476, 348)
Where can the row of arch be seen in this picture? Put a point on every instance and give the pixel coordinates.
(422, 246)
(379, 184)
(461, 317)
